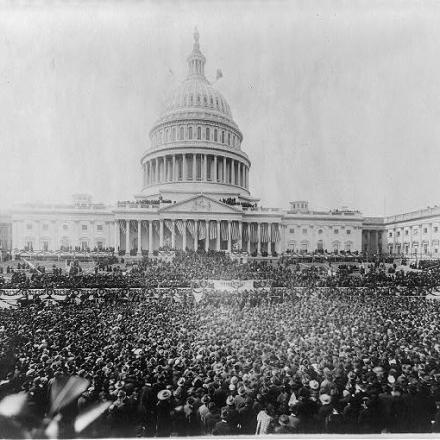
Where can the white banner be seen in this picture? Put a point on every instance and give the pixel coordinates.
(232, 285)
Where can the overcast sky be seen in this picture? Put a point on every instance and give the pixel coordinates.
(339, 102)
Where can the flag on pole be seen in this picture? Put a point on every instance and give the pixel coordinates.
(219, 74)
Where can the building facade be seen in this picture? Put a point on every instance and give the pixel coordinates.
(195, 194)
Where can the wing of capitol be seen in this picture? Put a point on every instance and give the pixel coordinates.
(195, 195)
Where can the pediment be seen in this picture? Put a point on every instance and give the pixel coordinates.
(202, 204)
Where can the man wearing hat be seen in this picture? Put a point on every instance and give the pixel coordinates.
(163, 414)
(283, 425)
(223, 427)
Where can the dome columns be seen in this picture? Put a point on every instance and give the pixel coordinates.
(195, 167)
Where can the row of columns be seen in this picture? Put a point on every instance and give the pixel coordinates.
(204, 168)
(405, 244)
(195, 238)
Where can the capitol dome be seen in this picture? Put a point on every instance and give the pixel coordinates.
(195, 143)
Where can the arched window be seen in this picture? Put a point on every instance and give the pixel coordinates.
(199, 132)
(223, 137)
(191, 99)
(216, 102)
(173, 134)
(215, 135)
(199, 100)
(229, 138)
(182, 134)
(205, 100)
(212, 102)
(190, 132)
(207, 134)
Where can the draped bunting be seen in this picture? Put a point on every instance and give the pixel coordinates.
(169, 225)
(190, 226)
(254, 234)
(246, 231)
(122, 225)
(275, 232)
(179, 224)
(202, 230)
(212, 230)
(133, 226)
(235, 233)
(264, 233)
(224, 231)
(156, 227)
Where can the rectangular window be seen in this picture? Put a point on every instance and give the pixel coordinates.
(65, 227)
(398, 233)
(99, 245)
(99, 227)
(348, 232)
(45, 245)
(336, 231)
(292, 230)
(425, 230)
(84, 227)
(304, 231)
(45, 227)
(199, 133)
(435, 228)
(190, 132)
(207, 134)
(29, 226)
(406, 232)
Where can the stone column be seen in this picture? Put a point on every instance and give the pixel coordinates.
(174, 169)
(218, 235)
(239, 173)
(229, 236)
(240, 233)
(116, 235)
(249, 238)
(258, 238)
(184, 235)
(161, 233)
(150, 237)
(139, 251)
(215, 169)
(184, 172)
(207, 235)
(173, 234)
(430, 240)
(224, 169)
(127, 237)
(196, 235)
(233, 172)
(268, 244)
(194, 167)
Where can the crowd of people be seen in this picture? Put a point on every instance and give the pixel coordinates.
(185, 267)
(258, 361)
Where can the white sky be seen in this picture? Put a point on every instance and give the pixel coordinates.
(338, 101)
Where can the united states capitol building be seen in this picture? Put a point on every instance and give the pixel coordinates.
(195, 195)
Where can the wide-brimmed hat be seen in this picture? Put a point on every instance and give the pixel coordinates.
(314, 384)
(230, 400)
(325, 399)
(283, 419)
(164, 394)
